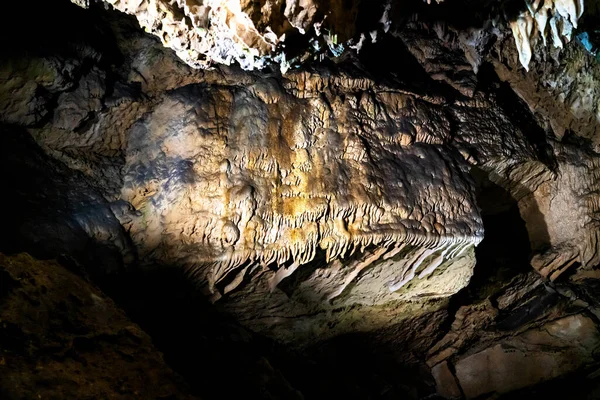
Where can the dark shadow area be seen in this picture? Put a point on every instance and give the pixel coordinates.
(372, 369)
(7, 283)
(503, 255)
(401, 70)
(292, 283)
(50, 31)
(532, 306)
(211, 350)
(46, 207)
(217, 357)
(519, 113)
(461, 14)
(505, 250)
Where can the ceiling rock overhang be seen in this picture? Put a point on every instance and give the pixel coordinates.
(204, 33)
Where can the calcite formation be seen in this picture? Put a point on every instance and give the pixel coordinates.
(208, 32)
(257, 177)
(542, 18)
(204, 32)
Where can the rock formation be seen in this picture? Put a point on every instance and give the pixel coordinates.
(560, 16)
(441, 206)
(62, 338)
(217, 31)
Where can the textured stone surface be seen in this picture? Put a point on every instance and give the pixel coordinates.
(546, 18)
(354, 192)
(335, 208)
(60, 337)
(561, 209)
(203, 32)
(446, 384)
(252, 34)
(535, 356)
(534, 335)
(290, 185)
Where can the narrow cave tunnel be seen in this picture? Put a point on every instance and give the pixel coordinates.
(505, 251)
(299, 200)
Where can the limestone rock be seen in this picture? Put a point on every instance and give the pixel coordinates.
(535, 356)
(205, 32)
(310, 188)
(248, 188)
(60, 337)
(313, 192)
(336, 204)
(567, 224)
(561, 16)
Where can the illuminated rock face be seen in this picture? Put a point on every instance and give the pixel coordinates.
(203, 32)
(354, 197)
(230, 180)
(208, 32)
(546, 18)
(288, 198)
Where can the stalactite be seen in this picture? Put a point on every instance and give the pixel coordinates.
(562, 16)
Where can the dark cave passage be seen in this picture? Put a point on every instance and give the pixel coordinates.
(505, 250)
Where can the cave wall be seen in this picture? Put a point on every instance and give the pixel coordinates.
(440, 206)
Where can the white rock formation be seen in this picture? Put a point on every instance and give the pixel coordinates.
(554, 18)
(203, 32)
